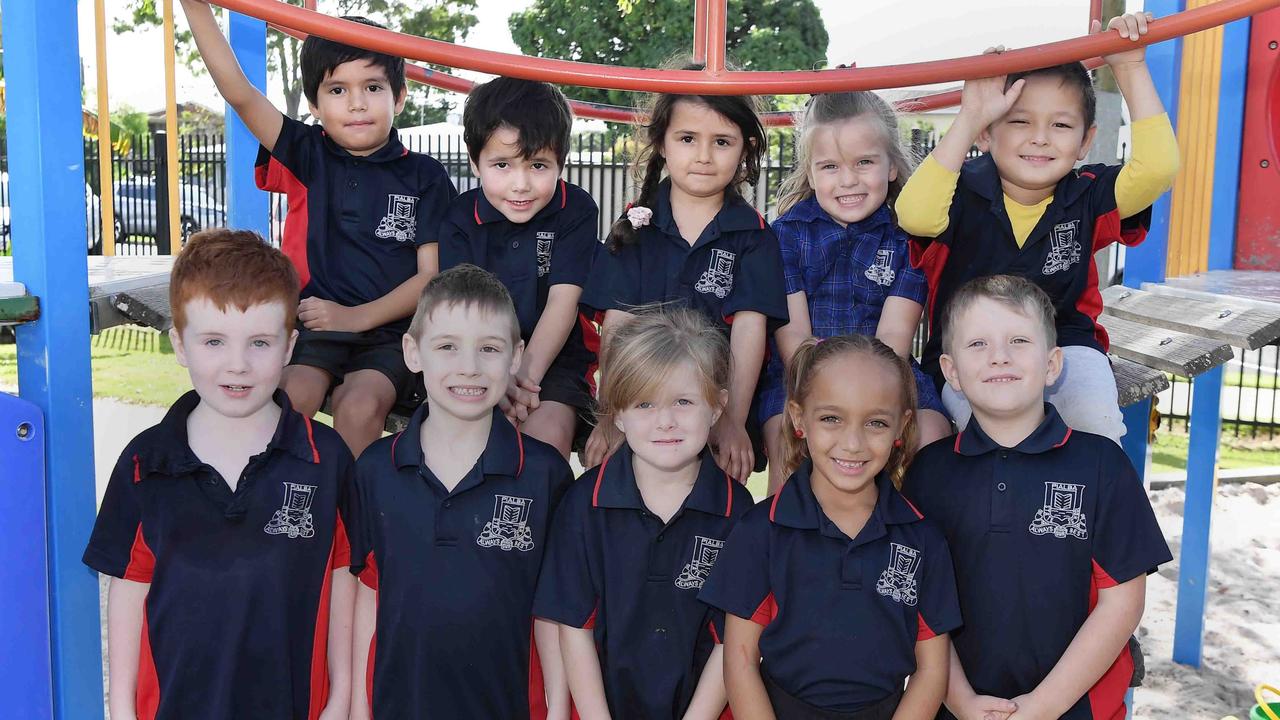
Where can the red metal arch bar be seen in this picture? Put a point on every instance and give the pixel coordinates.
(564, 72)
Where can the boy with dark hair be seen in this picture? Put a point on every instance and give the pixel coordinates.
(450, 520)
(222, 526)
(364, 213)
(1050, 529)
(1024, 209)
(538, 234)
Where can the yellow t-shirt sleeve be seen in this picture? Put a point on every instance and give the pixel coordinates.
(924, 205)
(1151, 168)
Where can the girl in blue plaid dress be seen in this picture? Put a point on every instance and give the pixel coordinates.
(844, 257)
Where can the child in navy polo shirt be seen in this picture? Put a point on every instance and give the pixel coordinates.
(222, 526)
(364, 214)
(637, 536)
(1024, 209)
(450, 521)
(692, 238)
(538, 234)
(837, 591)
(845, 258)
(1050, 529)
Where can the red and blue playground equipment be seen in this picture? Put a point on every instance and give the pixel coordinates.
(49, 610)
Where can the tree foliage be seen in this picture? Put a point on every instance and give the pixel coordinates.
(449, 20)
(761, 35)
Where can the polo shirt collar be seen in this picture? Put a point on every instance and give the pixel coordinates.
(169, 452)
(616, 487)
(982, 176)
(795, 506)
(1052, 433)
(393, 150)
(485, 212)
(503, 452)
(735, 215)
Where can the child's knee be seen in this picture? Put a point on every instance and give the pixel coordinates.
(363, 400)
(553, 423)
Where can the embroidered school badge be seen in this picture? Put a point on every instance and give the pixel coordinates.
(881, 273)
(898, 581)
(695, 572)
(1065, 249)
(509, 529)
(717, 279)
(544, 238)
(1063, 512)
(401, 220)
(294, 516)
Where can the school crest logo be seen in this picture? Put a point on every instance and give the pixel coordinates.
(717, 279)
(401, 221)
(695, 572)
(509, 529)
(1063, 512)
(898, 581)
(294, 516)
(1065, 249)
(544, 238)
(881, 273)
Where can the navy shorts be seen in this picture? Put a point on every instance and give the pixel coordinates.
(772, 396)
(339, 353)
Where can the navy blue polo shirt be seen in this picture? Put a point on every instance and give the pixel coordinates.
(455, 573)
(1057, 256)
(354, 222)
(555, 247)
(237, 616)
(841, 616)
(1035, 531)
(735, 265)
(615, 567)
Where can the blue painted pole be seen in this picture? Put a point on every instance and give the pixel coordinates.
(247, 205)
(27, 685)
(46, 164)
(1137, 422)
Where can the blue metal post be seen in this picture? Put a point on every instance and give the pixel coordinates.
(27, 685)
(46, 163)
(1206, 418)
(1146, 263)
(247, 205)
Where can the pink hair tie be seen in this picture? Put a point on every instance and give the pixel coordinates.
(639, 216)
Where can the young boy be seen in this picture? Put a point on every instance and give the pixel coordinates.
(1050, 529)
(538, 234)
(1023, 209)
(222, 526)
(363, 217)
(450, 525)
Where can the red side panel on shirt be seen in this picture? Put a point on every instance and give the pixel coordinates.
(591, 340)
(1090, 304)
(319, 695)
(341, 556)
(147, 698)
(369, 575)
(142, 562)
(293, 242)
(924, 632)
(767, 611)
(1106, 697)
(931, 261)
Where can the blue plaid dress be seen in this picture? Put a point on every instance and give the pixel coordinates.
(846, 274)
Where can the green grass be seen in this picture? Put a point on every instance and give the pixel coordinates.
(1169, 453)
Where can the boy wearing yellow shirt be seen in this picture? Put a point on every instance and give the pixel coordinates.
(1023, 208)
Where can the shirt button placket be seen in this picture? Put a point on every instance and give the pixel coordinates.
(1001, 498)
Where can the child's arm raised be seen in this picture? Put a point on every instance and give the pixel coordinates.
(1097, 644)
(259, 115)
(729, 435)
(928, 684)
(125, 602)
(709, 697)
(922, 206)
(747, 696)
(582, 666)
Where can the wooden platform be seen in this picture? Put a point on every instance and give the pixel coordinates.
(108, 277)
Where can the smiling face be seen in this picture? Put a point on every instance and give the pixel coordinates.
(466, 356)
(850, 416)
(703, 150)
(517, 186)
(1000, 358)
(1039, 140)
(235, 358)
(668, 431)
(850, 171)
(356, 106)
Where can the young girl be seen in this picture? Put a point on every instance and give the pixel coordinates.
(636, 537)
(836, 582)
(692, 238)
(844, 257)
